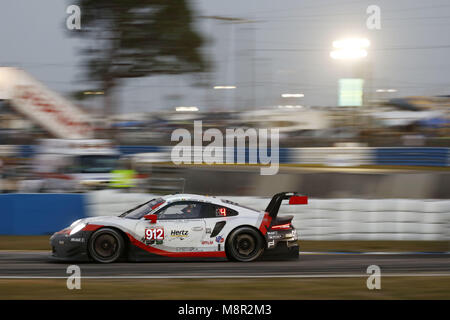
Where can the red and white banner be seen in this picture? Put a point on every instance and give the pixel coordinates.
(43, 106)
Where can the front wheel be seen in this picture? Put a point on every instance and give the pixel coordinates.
(106, 245)
(245, 244)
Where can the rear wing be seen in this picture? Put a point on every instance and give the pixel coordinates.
(275, 203)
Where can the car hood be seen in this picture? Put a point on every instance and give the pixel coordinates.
(102, 219)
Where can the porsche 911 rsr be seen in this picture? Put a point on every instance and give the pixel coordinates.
(182, 226)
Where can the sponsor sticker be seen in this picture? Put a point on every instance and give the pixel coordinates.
(179, 233)
(209, 242)
(186, 249)
(274, 235)
(152, 242)
(219, 239)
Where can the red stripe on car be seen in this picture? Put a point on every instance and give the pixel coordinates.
(157, 205)
(64, 231)
(265, 223)
(198, 254)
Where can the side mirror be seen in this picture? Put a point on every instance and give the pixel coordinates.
(151, 217)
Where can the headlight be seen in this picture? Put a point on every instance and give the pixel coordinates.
(77, 228)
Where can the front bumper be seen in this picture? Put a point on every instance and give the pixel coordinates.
(70, 248)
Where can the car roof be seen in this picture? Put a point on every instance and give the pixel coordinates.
(204, 198)
(191, 197)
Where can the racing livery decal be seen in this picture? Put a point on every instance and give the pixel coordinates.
(179, 234)
(154, 234)
(264, 227)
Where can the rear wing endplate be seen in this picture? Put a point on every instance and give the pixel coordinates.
(275, 203)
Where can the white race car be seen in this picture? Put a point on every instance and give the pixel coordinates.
(183, 226)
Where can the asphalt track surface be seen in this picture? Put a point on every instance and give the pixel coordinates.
(30, 264)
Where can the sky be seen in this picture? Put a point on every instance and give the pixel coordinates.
(283, 48)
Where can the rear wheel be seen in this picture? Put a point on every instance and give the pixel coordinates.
(106, 245)
(245, 244)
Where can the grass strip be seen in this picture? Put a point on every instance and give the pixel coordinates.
(216, 289)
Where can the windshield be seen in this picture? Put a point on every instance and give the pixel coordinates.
(97, 163)
(142, 209)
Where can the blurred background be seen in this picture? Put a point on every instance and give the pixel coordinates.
(89, 99)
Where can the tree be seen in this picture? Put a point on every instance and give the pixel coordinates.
(137, 38)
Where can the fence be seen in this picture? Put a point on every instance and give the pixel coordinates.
(412, 156)
(321, 219)
(328, 219)
(350, 156)
(35, 214)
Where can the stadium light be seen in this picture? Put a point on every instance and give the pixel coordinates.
(224, 87)
(290, 107)
(186, 109)
(386, 90)
(350, 48)
(93, 92)
(292, 95)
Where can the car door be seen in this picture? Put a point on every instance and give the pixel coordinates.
(179, 227)
(216, 218)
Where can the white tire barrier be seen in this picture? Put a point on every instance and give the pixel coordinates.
(327, 219)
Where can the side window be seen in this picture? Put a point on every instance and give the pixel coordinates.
(215, 211)
(180, 210)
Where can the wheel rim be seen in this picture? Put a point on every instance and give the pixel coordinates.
(245, 245)
(105, 246)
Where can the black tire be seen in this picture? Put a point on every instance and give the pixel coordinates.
(245, 244)
(106, 245)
